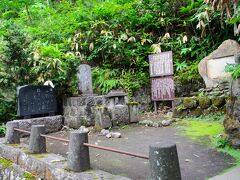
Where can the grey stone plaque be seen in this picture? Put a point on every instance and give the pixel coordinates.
(36, 100)
(84, 79)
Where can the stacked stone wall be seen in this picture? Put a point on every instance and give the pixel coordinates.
(198, 105)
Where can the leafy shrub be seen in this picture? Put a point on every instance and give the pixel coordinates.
(2, 130)
(234, 69)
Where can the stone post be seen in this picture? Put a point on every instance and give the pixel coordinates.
(37, 143)
(133, 112)
(78, 157)
(163, 160)
(84, 79)
(12, 136)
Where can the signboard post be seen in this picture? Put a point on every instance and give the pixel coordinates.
(161, 73)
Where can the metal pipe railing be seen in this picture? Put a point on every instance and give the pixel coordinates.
(89, 145)
(116, 151)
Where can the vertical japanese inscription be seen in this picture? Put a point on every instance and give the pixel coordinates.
(36, 100)
(161, 71)
(161, 64)
(163, 88)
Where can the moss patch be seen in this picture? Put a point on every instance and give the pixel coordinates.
(204, 102)
(190, 102)
(101, 108)
(40, 156)
(196, 129)
(5, 163)
(13, 145)
(28, 176)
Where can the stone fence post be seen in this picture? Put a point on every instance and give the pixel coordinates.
(12, 136)
(163, 160)
(37, 143)
(78, 157)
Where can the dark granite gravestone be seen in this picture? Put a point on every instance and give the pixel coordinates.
(36, 100)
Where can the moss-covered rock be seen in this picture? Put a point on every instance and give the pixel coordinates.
(204, 102)
(190, 102)
(179, 113)
(196, 112)
(178, 101)
(218, 101)
(211, 110)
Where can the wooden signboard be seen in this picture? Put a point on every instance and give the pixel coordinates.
(162, 88)
(161, 64)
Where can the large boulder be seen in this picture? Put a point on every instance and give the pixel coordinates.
(211, 68)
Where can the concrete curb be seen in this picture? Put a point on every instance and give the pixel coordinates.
(48, 166)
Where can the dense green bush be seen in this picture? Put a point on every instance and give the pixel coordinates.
(46, 40)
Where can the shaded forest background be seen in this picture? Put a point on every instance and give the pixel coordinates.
(47, 39)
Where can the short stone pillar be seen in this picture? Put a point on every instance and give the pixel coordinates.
(37, 143)
(78, 156)
(164, 164)
(12, 136)
(133, 111)
(84, 79)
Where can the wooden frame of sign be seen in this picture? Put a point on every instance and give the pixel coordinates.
(161, 73)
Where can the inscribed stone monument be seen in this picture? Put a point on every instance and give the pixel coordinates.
(36, 100)
(212, 67)
(84, 80)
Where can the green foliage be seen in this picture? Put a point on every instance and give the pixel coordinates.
(2, 130)
(105, 79)
(46, 40)
(234, 69)
(220, 142)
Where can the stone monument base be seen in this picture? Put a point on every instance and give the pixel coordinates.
(52, 123)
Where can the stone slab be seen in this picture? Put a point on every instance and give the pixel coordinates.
(52, 123)
(216, 67)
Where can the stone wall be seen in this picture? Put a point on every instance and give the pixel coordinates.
(143, 97)
(81, 110)
(185, 90)
(94, 110)
(221, 89)
(196, 106)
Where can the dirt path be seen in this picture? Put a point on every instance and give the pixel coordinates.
(197, 161)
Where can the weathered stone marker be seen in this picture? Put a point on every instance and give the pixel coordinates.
(36, 100)
(164, 164)
(78, 157)
(12, 136)
(84, 79)
(212, 67)
(37, 143)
